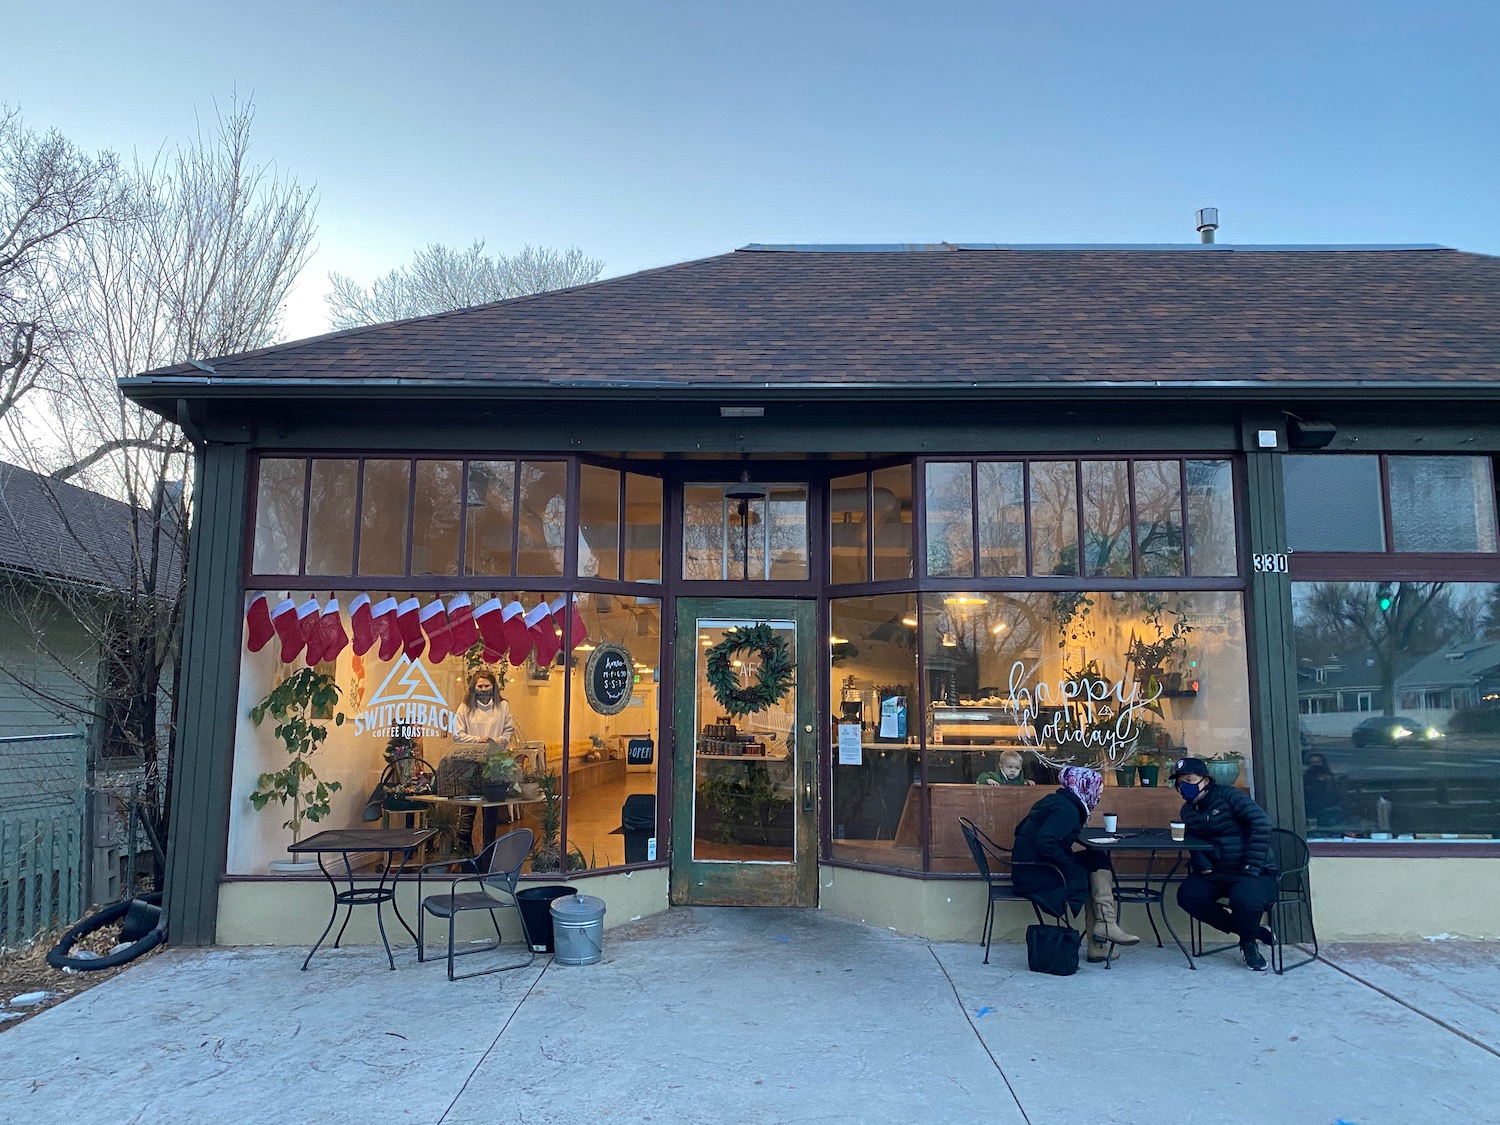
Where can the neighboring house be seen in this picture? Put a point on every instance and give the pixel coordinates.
(1333, 696)
(1336, 694)
(70, 566)
(1457, 678)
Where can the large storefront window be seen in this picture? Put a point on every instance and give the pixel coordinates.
(1017, 685)
(467, 710)
(875, 687)
(614, 709)
(1398, 693)
(468, 740)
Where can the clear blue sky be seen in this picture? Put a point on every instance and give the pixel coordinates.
(647, 133)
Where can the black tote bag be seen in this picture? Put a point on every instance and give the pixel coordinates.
(1052, 949)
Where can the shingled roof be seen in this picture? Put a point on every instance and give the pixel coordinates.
(54, 529)
(994, 318)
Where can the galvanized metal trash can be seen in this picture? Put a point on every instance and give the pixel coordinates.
(577, 930)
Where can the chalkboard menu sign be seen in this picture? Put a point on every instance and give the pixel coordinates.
(639, 752)
(609, 679)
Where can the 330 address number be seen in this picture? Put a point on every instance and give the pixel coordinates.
(1269, 563)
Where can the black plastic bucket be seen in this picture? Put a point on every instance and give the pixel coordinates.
(536, 913)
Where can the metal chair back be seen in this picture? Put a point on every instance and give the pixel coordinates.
(507, 856)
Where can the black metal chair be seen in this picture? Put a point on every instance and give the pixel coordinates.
(987, 856)
(500, 864)
(1293, 894)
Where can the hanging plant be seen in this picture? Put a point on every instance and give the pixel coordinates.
(772, 681)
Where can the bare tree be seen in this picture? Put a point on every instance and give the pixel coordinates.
(51, 193)
(203, 269)
(440, 279)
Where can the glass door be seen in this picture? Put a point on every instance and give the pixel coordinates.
(745, 770)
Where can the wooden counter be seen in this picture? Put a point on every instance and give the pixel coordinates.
(997, 809)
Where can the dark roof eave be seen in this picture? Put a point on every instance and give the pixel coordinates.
(199, 387)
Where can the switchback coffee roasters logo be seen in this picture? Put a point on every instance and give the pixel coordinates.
(407, 702)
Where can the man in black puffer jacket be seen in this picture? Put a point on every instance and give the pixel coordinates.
(1240, 870)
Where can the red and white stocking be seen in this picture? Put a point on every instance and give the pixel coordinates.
(307, 624)
(544, 638)
(461, 624)
(487, 619)
(331, 637)
(258, 625)
(362, 623)
(409, 626)
(383, 620)
(284, 621)
(570, 621)
(434, 622)
(517, 639)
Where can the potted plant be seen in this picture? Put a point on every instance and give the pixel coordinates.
(1152, 655)
(1125, 774)
(546, 853)
(1225, 769)
(497, 775)
(301, 704)
(1149, 769)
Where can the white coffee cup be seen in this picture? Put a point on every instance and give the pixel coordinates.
(1179, 830)
(1111, 822)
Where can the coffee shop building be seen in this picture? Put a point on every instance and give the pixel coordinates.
(788, 558)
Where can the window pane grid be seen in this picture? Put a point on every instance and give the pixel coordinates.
(1122, 518)
(1389, 504)
(413, 517)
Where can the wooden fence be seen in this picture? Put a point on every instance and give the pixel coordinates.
(42, 862)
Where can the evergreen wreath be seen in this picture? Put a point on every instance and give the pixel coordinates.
(771, 682)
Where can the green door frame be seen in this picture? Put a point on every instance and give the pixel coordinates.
(721, 883)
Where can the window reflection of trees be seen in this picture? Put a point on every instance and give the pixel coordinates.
(278, 524)
(1054, 517)
(1158, 519)
(1106, 518)
(950, 519)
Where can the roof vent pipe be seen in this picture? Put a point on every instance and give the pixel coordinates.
(1208, 222)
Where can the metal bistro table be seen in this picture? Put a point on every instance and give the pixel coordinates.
(1152, 886)
(349, 841)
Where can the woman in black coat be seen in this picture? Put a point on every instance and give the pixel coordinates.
(1047, 835)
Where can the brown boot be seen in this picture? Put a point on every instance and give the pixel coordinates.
(1102, 889)
(1097, 950)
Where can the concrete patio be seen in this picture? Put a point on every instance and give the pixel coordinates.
(711, 1015)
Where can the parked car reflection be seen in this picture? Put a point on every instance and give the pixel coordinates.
(1393, 730)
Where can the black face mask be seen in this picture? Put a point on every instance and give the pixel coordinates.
(485, 695)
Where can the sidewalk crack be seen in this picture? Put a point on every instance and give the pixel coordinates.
(975, 1029)
(494, 1042)
(1444, 1024)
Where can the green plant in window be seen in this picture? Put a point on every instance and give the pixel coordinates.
(1155, 650)
(744, 803)
(546, 853)
(301, 704)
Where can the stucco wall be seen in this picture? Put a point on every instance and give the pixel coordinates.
(1372, 899)
(1354, 899)
(294, 911)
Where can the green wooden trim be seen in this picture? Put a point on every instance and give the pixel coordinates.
(1277, 762)
(748, 884)
(209, 684)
